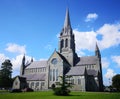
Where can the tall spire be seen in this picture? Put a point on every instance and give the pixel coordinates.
(97, 48)
(97, 51)
(67, 20)
(22, 68)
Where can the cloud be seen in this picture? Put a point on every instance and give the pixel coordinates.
(3, 57)
(91, 17)
(110, 35)
(85, 40)
(116, 59)
(15, 48)
(110, 73)
(105, 63)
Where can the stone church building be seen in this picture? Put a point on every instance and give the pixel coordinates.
(86, 71)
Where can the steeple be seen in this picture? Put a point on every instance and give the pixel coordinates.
(67, 23)
(22, 66)
(67, 41)
(97, 51)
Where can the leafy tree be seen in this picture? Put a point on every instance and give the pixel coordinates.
(64, 85)
(116, 82)
(6, 74)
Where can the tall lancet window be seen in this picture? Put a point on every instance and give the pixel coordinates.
(50, 74)
(56, 74)
(62, 43)
(66, 43)
(53, 74)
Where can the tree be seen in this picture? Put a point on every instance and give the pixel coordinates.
(64, 85)
(6, 74)
(116, 82)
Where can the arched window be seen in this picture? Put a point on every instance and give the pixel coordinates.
(66, 43)
(62, 43)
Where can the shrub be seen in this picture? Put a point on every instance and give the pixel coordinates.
(61, 92)
(15, 90)
(63, 89)
(29, 90)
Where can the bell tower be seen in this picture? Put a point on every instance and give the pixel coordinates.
(67, 42)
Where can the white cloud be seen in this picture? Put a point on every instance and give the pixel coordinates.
(16, 62)
(116, 59)
(110, 73)
(110, 35)
(85, 40)
(91, 16)
(105, 63)
(15, 48)
(80, 53)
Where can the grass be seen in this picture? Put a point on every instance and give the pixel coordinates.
(49, 95)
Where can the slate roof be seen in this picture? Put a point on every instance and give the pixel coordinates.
(77, 70)
(87, 60)
(37, 64)
(33, 77)
(22, 79)
(80, 70)
(62, 57)
(92, 72)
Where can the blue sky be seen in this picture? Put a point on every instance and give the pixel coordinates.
(32, 27)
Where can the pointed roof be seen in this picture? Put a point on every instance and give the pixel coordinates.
(67, 19)
(24, 56)
(97, 51)
(31, 59)
(97, 48)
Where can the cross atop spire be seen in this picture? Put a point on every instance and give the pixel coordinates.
(67, 20)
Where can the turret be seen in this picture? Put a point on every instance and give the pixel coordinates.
(31, 60)
(97, 52)
(22, 69)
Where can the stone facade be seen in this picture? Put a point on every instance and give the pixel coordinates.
(19, 83)
(86, 71)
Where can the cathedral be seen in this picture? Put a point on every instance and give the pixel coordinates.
(85, 72)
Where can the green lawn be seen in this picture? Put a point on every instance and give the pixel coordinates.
(49, 95)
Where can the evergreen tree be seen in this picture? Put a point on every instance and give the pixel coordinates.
(63, 86)
(6, 74)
